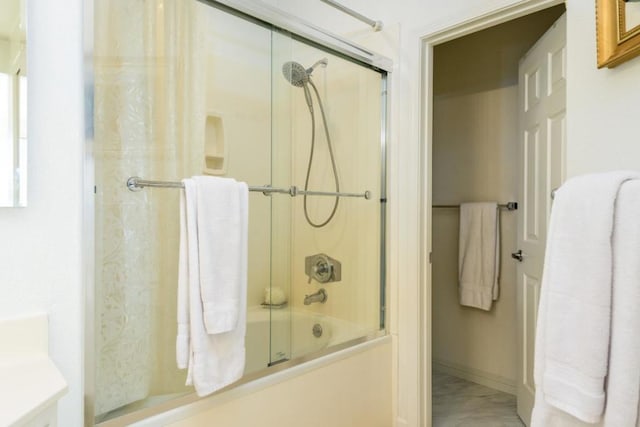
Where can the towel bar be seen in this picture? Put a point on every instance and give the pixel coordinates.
(511, 206)
(136, 183)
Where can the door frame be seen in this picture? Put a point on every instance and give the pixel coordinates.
(427, 41)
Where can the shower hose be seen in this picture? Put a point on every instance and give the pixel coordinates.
(331, 155)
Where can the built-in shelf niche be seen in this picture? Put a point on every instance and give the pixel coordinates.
(215, 146)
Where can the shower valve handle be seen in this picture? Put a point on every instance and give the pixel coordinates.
(322, 268)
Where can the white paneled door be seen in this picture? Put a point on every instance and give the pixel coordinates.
(542, 103)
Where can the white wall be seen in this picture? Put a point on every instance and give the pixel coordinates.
(41, 249)
(603, 130)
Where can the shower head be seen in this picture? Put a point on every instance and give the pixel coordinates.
(297, 75)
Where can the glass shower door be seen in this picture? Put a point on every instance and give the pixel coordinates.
(326, 131)
(182, 89)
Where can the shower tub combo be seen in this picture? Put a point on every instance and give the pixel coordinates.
(208, 87)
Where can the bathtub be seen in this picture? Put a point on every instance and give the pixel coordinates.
(273, 337)
(279, 335)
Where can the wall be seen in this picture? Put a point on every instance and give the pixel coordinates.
(41, 267)
(602, 107)
(4, 55)
(12, 24)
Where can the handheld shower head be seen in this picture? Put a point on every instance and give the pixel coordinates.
(300, 77)
(295, 73)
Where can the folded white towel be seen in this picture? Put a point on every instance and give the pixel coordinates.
(479, 254)
(216, 260)
(573, 330)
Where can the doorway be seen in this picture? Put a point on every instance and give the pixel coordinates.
(476, 156)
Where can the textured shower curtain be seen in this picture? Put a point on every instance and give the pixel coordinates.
(145, 111)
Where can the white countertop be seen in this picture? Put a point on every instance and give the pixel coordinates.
(29, 380)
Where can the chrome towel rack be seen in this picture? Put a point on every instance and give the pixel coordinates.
(136, 183)
(511, 206)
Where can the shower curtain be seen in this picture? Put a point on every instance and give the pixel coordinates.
(146, 110)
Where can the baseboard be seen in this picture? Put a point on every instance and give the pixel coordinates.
(475, 375)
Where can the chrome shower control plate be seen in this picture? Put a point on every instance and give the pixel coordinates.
(322, 268)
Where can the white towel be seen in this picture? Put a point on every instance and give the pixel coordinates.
(182, 339)
(623, 375)
(479, 254)
(214, 254)
(220, 247)
(573, 329)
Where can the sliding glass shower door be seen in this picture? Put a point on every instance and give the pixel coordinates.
(326, 131)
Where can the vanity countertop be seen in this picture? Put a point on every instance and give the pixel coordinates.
(30, 383)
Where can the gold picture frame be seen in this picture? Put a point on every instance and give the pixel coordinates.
(616, 42)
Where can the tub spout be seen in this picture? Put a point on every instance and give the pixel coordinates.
(320, 296)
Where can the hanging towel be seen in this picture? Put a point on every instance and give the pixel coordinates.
(214, 254)
(182, 339)
(584, 261)
(623, 375)
(479, 254)
(220, 246)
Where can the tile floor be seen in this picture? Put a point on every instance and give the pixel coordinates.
(460, 403)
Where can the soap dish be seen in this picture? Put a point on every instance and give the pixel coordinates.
(277, 306)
